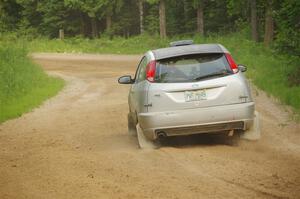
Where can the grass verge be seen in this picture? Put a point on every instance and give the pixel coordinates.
(23, 84)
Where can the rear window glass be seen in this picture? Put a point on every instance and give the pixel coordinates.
(192, 68)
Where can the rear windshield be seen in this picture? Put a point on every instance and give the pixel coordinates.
(192, 68)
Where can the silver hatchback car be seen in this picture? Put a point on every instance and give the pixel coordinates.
(189, 89)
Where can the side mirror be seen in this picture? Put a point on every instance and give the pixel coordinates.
(242, 68)
(125, 80)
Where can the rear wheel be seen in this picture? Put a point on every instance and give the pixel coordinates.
(254, 132)
(144, 143)
(234, 138)
(131, 126)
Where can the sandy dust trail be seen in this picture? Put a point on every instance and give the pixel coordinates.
(76, 146)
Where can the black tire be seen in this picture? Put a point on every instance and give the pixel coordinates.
(144, 143)
(235, 138)
(131, 126)
(254, 133)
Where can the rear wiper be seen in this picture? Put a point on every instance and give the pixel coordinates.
(219, 73)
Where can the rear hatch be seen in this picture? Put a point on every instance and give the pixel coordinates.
(195, 81)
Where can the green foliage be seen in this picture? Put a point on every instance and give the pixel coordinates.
(94, 8)
(91, 7)
(152, 20)
(196, 3)
(9, 15)
(53, 17)
(238, 7)
(117, 45)
(181, 18)
(31, 18)
(288, 18)
(23, 85)
(152, 1)
(125, 21)
(220, 21)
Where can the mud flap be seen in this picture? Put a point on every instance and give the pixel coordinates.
(144, 143)
(254, 132)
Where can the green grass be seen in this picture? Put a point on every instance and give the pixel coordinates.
(23, 84)
(266, 68)
(119, 45)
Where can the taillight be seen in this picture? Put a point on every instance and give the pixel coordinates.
(231, 62)
(150, 71)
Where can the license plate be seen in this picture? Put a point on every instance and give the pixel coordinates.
(195, 95)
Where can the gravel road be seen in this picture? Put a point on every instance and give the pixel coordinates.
(76, 146)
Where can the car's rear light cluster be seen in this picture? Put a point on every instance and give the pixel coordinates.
(150, 71)
(232, 63)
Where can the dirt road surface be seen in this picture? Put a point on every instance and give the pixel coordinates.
(76, 146)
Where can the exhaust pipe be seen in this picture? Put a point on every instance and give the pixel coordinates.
(161, 135)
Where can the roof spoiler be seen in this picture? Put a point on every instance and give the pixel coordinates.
(181, 43)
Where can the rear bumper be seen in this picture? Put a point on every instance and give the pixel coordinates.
(200, 120)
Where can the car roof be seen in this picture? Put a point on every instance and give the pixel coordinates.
(164, 53)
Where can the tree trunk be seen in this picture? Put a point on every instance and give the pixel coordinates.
(269, 25)
(82, 25)
(94, 27)
(200, 20)
(108, 23)
(141, 11)
(162, 19)
(254, 21)
(61, 34)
